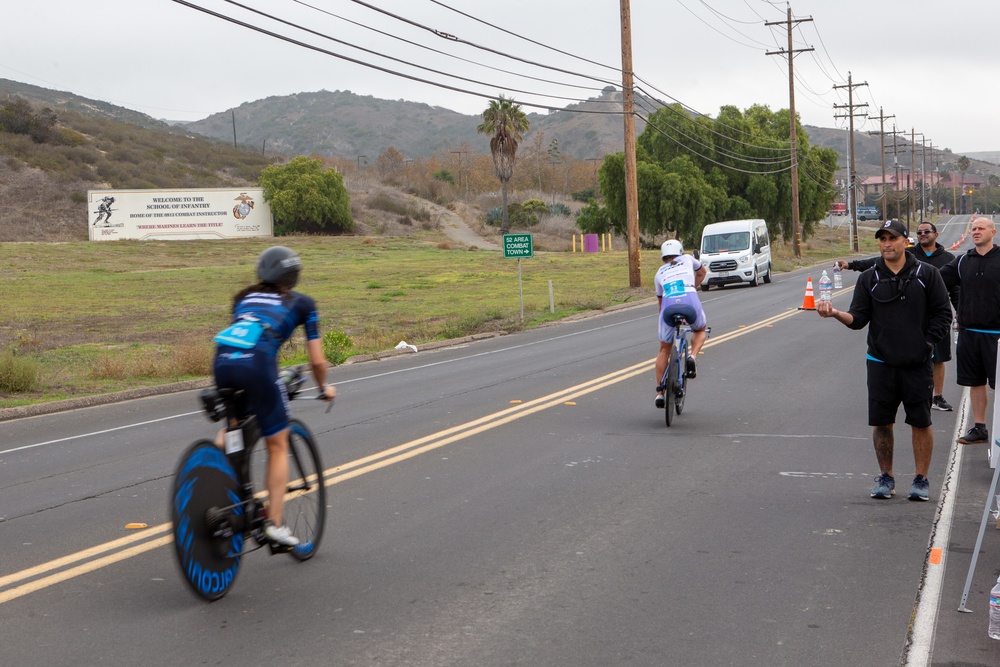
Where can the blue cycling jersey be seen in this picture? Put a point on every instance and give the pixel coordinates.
(280, 315)
(254, 367)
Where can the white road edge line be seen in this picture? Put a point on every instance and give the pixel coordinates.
(920, 648)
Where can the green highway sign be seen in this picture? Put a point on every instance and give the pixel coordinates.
(517, 245)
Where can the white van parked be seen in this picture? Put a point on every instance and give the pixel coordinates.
(734, 252)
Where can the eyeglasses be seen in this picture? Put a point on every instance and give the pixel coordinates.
(923, 232)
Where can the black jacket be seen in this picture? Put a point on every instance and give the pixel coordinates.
(938, 259)
(979, 277)
(906, 313)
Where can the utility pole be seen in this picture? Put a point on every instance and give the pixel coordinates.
(913, 177)
(796, 234)
(881, 118)
(234, 127)
(853, 174)
(628, 111)
(895, 165)
(923, 180)
(461, 171)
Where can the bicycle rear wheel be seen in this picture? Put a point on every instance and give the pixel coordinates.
(305, 499)
(204, 485)
(670, 389)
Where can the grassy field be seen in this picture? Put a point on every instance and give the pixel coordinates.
(86, 318)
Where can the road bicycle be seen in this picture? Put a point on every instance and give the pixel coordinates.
(218, 514)
(673, 384)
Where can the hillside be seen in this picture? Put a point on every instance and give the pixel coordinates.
(355, 127)
(96, 145)
(342, 124)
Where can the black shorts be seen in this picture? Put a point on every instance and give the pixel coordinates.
(976, 358)
(942, 349)
(888, 386)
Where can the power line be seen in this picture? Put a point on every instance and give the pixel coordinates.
(379, 68)
(438, 51)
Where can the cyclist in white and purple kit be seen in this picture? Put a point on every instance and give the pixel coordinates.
(677, 284)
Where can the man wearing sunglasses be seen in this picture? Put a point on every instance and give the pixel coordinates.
(929, 251)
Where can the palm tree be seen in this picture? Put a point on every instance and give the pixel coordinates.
(506, 122)
(963, 163)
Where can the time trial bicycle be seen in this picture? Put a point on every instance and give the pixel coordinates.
(673, 384)
(216, 509)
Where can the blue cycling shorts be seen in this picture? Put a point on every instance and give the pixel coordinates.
(257, 375)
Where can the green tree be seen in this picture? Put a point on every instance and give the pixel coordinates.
(507, 123)
(305, 197)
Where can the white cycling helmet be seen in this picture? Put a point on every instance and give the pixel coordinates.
(671, 247)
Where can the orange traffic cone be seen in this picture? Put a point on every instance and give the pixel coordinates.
(808, 303)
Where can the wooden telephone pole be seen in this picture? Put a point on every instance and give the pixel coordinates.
(796, 232)
(852, 188)
(881, 118)
(631, 191)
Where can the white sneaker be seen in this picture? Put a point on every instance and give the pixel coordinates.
(280, 535)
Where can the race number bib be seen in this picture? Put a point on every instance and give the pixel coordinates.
(675, 288)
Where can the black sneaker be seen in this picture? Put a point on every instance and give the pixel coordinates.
(691, 370)
(975, 435)
(940, 404)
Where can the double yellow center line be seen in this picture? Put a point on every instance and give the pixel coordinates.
(100, 556)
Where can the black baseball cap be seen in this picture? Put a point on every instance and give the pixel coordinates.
(894, 227)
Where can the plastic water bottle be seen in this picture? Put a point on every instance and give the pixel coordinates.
(825, 287)
(994, 631)
(838, 281)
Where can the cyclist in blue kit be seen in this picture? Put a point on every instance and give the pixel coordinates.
(264, 316)
(677, 282)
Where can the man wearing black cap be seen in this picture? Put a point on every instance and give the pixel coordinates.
(905, 305)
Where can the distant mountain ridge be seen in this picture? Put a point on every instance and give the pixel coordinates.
(346, 125)
(355, 127)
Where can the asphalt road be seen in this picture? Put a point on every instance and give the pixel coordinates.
(519, 501)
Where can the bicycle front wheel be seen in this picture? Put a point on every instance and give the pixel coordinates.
(305, 497)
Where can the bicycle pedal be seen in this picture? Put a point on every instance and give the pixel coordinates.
(278, 548)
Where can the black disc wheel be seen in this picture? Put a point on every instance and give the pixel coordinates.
(669, 393)
(305, 500)
(206, 507)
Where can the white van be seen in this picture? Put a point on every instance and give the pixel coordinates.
(737, 251)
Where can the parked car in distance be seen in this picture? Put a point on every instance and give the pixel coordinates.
(868, 213)
(838, 208)
(735, 252)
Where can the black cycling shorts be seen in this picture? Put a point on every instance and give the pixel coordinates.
(976, 358)
(888, 386)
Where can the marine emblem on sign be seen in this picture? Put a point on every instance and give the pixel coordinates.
(242, 210)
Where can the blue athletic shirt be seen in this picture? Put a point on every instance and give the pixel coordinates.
(280, 315)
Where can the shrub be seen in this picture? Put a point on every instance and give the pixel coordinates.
(337, 346)
(18, 374)
(444, 175)
(560, 209)
(494, 216)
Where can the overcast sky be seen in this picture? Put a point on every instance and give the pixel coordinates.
(931, 64)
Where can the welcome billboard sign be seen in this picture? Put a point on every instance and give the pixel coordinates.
(203, 213)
